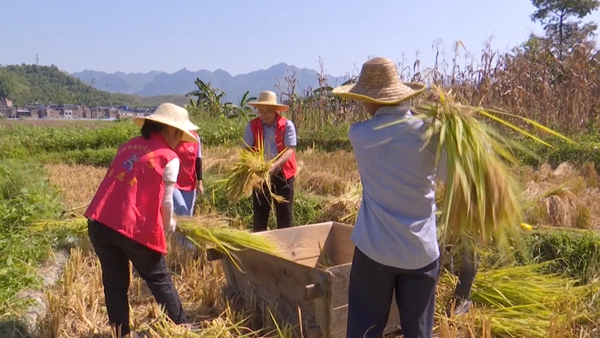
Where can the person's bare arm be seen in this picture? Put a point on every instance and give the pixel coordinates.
(285, 156)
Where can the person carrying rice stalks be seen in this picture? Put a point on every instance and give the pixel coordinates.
(133, 209)
(278, 137)
(395, 230)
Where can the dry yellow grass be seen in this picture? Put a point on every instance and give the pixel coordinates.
(78, 183)
(561, 197)
(77, 307)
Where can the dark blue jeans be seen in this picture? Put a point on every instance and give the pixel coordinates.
(114, 252)
(370, 296)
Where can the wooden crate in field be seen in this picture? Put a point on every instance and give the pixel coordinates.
(311, 274)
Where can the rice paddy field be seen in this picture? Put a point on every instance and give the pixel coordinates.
(50, 280)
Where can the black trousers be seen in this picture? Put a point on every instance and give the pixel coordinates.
(115, 251)
(469, 264)
(262, 201)
(370, 296)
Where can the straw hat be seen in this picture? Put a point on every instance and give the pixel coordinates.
(268, 98)
(379, 83)
(174, 116)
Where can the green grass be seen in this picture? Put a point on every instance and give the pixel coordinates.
(573, 252)
(76, 144)
(26, 196)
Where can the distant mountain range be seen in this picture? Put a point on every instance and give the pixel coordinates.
(181, 82)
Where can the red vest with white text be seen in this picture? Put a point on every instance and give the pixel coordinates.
(130, 196)
(187, 152)
(289, 167)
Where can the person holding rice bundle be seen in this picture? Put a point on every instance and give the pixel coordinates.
(278, 137)
(395, 231)
(133, 209)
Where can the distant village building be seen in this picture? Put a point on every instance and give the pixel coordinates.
(68, 111)
(5, 103)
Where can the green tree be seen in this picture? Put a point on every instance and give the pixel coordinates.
(561, 20)
(207, 97)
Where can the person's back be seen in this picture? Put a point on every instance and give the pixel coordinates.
(396, 220)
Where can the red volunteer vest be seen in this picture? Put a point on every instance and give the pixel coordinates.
(130, 196)
(187, 152)
(289, 167)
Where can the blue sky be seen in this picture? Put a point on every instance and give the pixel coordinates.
(242, 36)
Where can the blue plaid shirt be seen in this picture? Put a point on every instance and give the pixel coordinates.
(396, 223)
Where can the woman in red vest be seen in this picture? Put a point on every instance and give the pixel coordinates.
(189, 182)
(133, 209)
(279, 136)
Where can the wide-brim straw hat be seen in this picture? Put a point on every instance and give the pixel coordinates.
(269, 98)
(171, 115)
(379, 82)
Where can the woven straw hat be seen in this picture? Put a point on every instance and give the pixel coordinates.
(269, 98)
(379, 82)
(174, 116)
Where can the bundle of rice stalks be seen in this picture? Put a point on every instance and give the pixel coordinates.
(205, 232)
(220, 237)
(345, 207)
(76, 226)
(481, 201)
(522, 302)
(555, 205)
(249, 173)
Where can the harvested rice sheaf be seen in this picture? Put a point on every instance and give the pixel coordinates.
(208, 231)
(521, 301)
(481, 199)
(249, 173)
(221, 237)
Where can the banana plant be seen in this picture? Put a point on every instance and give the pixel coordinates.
(242, 110)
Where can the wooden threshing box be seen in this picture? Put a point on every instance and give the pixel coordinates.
(298, 278)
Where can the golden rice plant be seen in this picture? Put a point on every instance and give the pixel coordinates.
(520, 301)
(223, 238)
(205, 232)
(249, 173)
(345, 207)
(481, 199)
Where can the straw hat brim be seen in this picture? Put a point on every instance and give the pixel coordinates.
(278, 107)
(185, 127)
(390, 95)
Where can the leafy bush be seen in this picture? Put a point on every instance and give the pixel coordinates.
(574, 252)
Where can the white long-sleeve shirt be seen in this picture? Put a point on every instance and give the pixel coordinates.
(169, 178)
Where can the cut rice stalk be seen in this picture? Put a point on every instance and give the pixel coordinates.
(204, 231)
(521, 301)
(249, 173)
(481, 204)
(221, 238)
